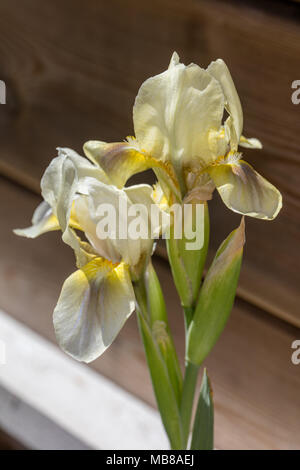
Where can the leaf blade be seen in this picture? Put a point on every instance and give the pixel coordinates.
(203, 431)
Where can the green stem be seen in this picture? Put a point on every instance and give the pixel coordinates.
(188, 392)
(188, 315)
(141, 297)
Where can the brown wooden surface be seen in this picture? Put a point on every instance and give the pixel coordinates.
(256, 387)
(7, 443)
(73, 68)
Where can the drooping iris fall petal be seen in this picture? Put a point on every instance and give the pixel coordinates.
(43, 221)
(94, 304)
(245, 191)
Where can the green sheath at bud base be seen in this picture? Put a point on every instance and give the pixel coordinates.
(216, 297)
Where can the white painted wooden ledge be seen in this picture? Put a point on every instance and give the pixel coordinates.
(49, 401)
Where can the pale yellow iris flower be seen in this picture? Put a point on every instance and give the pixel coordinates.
(182, 133)
(95, 300)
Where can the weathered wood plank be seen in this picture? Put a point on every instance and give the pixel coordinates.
(72, 71)
(256, 387)
(7, 443)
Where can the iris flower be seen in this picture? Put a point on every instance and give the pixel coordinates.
(95, 300)
(188, 125)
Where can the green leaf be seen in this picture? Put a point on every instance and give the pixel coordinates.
(203, 431)
(216, 297)
(187, 265)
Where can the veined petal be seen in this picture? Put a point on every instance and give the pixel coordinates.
(43, 221)
(84, 167)
(176, 111)
(118, 302)
(103, 246)
(83, 251)
(119, 160)
(59, 186)
(62, 205)
(111, 203)
(65, 198)
(107, 216)
(245, 191)
(218, 69)
(94, 304)
(154, 217)
(59, 177)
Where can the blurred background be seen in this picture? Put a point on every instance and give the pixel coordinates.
(72, 69)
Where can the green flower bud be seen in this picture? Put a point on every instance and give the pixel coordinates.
(216, 297)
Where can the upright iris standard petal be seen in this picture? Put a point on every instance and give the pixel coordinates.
(110, 205)
(220, 72)
(94, 304)
(120, 224)
(234, 123)
(176, 112)
(155, 218)
(57, 178)
(103, 246)
(59, 185)
(245, 191)
(251, 143)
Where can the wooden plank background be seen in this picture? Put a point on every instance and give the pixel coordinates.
(72, 70)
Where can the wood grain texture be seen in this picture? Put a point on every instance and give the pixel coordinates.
(256, 387)
(7, 443)
(73, 68)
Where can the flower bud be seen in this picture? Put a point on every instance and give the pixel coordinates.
(216, 297)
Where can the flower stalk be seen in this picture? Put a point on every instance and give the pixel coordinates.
(160, 353)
